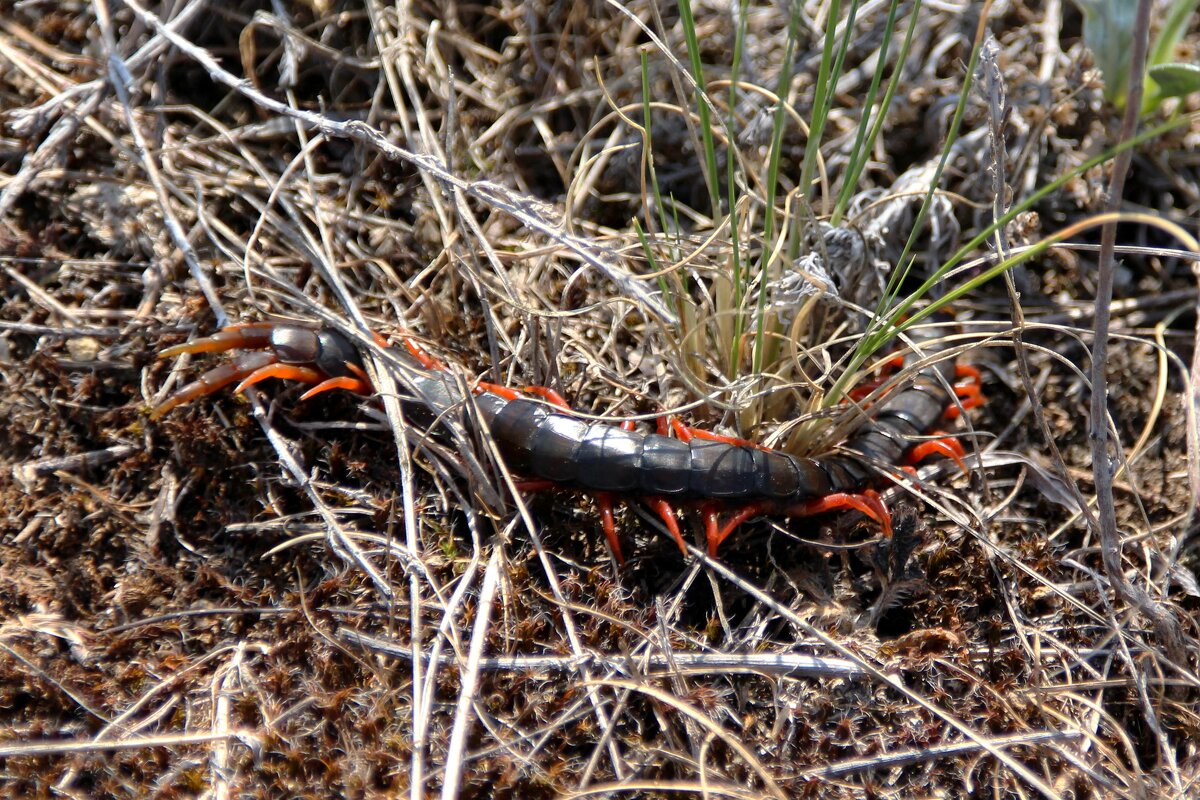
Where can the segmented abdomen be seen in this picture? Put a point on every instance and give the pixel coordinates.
(539, 442)
(600, 457)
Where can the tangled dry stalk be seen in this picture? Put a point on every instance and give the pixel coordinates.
(259, 597)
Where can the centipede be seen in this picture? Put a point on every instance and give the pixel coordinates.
(542, 440)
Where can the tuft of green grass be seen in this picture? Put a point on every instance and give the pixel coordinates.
(766, 236)
(768, 211)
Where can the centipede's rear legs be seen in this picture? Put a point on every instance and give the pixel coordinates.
(968, 390)
(291, 353)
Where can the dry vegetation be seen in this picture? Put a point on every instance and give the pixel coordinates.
(261, 597)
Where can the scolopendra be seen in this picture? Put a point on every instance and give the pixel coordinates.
(546, 442)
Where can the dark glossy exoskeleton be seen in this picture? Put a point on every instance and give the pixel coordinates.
(544, 442)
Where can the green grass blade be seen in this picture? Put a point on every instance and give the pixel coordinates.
(864, 143)
(647, 123)
(772, 182)
(710, 150)
(906, 260)
(739, 276)
(821, 99)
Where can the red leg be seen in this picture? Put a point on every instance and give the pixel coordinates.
(969, 392)
(356, 385)
(549, 395)
(508, 393)
(885, 371)
(604, 503)
(947, 446)
(700, 433)
(967, 371)
(286, 372)
(687, 434)
(427, 361)
(495, 388)
(863, 390)
(971, 395)
(742, 514)
(868, 503)
(667, 514)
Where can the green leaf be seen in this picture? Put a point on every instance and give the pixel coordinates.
(1176, 80)
(1178, 17)
(1108, 33)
